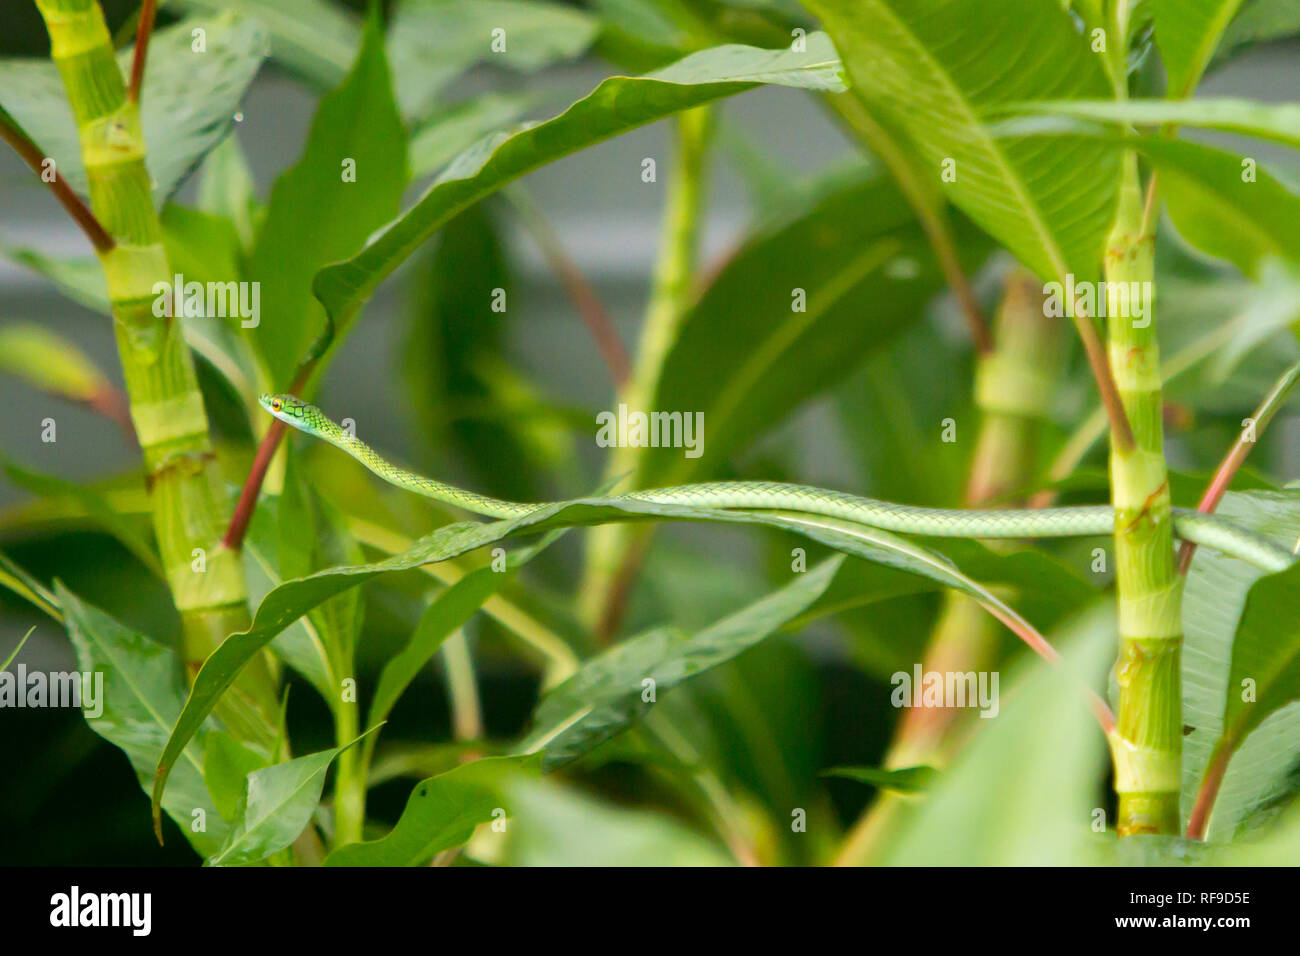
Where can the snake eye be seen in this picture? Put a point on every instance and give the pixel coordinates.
(276, 404)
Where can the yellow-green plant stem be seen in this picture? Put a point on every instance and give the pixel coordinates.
(350, 776)
(1015, 387)
(1147, 743)
(166, 407)
(609, 547)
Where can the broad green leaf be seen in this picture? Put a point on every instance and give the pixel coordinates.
(141, 696)
(904, 780)
(617, 105)
(80, 279)
(797, 308)
(348, 182)
(1223, 204)
(442, 812)
(1213, 602)
(226, 764)
(187, 106)
(313, 38)
(557, 826)
(292, 599)
(931, 69)
(607, 694)
(433, 41)
(1029, 776)
(276, 806)
(1187, 33)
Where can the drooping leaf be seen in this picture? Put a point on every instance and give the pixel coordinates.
(276, 806)
(433, 41)
(441, 813)
(608, 693)
(141, 696)
(348, 182)
(617, 105)
(187, 105)
(930, 70)
(1188, 32)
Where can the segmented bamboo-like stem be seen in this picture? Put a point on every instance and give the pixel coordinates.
(166, 407)
(1147, 745)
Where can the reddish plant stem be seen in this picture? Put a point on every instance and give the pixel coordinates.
(112, 403)
(234, 537)
(1210, 783)
(33, 156)
(148, 13)
(1236, 455)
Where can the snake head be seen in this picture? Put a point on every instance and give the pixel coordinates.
(287, 408)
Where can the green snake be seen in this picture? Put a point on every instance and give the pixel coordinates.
(1086, 521)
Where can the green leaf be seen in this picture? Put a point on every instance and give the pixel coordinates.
(226, 191)
(441, 813)
(606, 695)
(1214, 599)
(1279, 123)
(277, 804)
(187, 105)
(930, 70)
(617, 105)
(433, 41)
(456, 128)
(4, 665)
(313, 38)
(1260, 22)
(558, 826)
(49, 362)
(141, 697)
(1029, 776)
(1187, 33)
(316, 214)
(126, 531)
(904, 780)
(748, 353)
(445, 613)
(226, 764)
(288, 602)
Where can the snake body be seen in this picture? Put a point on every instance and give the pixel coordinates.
(1083, 521)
